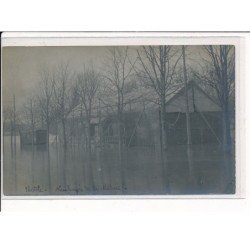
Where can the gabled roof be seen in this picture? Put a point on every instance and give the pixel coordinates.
(190, 85)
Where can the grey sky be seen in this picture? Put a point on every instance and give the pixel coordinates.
(21, 65)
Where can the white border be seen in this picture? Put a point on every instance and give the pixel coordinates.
(146, 38)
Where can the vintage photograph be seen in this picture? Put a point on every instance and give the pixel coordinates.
(118, 120)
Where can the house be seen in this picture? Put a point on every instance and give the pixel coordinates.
(77, 129)
(104, 127)
(137, 130)
(205, 117)
(140, 122)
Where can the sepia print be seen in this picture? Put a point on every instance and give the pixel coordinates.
(118, 120)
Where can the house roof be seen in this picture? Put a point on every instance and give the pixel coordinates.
(182, 92)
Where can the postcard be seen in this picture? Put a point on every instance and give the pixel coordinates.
(118, 117)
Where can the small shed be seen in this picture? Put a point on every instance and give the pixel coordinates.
(26, 137)
(205, 117)
(41, 136)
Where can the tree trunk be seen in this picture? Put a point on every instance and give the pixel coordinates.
(163, 140)
(89, 135)
(188, 126)
(120, 146)
(32, 123)
(189, 139)
(90, 167)
(163, 123)
(227, 141)
(14, 125)
(48, 131)
(33, 136)
(11, 137)
(64, 135)
(48, 156)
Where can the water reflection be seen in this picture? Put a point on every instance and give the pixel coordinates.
(31, 170)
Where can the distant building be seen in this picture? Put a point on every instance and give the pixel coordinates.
(205, 117)
(141, 122)
(26, 137)
(77, 129)
(137, 130)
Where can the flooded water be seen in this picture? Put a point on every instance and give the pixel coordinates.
(33, 171)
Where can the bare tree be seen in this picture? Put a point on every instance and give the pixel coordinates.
(8, 123)
(64, 93)
(87, 83)
(120, 84)
(189, 139)
(7, 118)
(47, 109)
(157, 72)
(31, 116)
(188, 122)
(46, 102)
(11, 122)
(157, 68)
(218, 74)
(87, 86)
